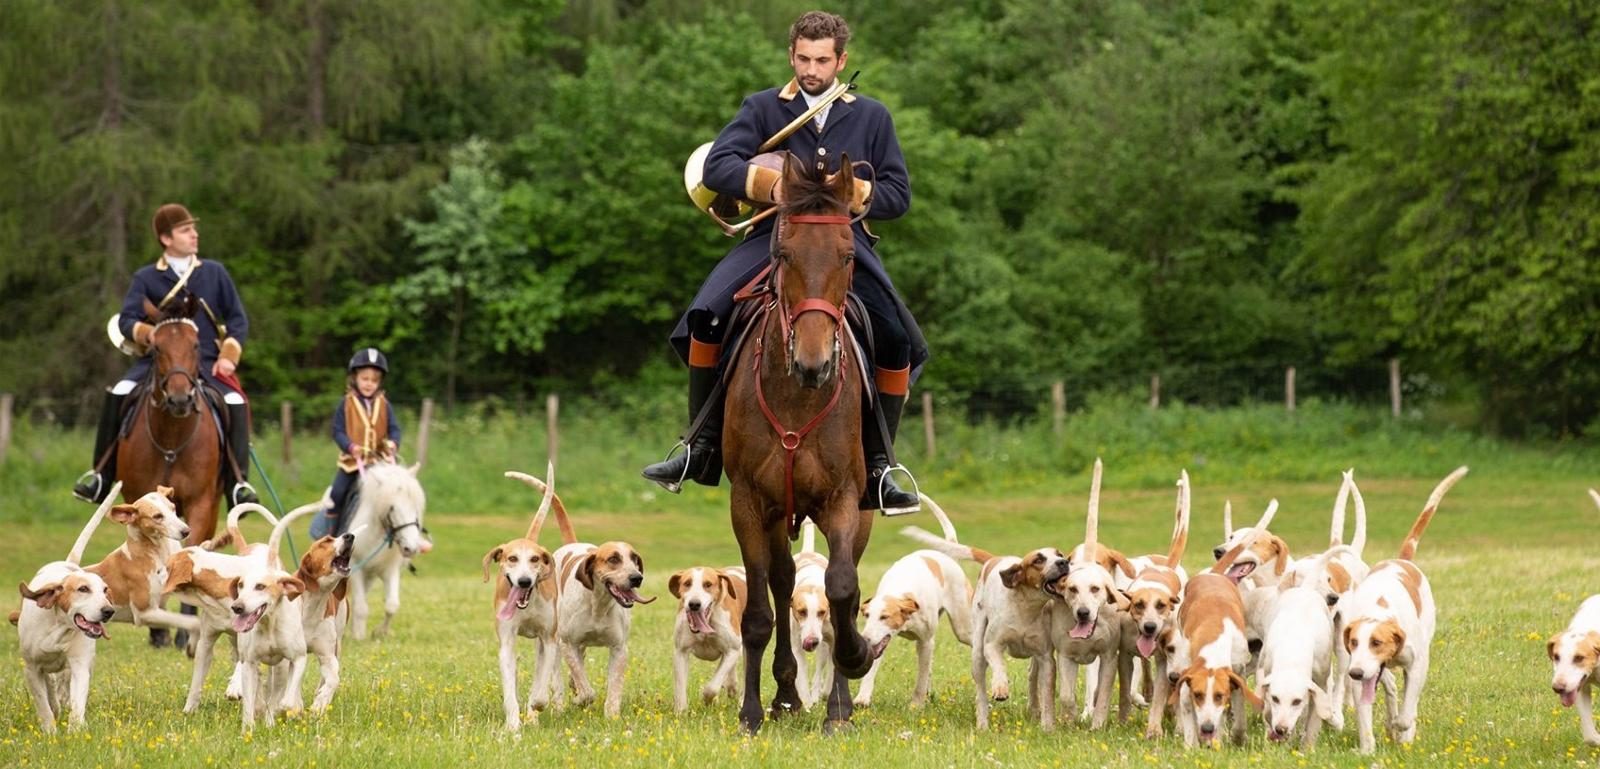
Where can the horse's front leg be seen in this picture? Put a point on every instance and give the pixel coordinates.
(847, 532)
(785, 667)
(757, 619)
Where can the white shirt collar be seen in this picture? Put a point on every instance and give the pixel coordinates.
(811, 101)
(179, 264)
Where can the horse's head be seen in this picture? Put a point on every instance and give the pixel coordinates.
(815, 254)
(175, 343)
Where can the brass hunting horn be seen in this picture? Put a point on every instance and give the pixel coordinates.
(705, 199)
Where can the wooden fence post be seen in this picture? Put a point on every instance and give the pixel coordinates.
(286, 422)
(1155, 391)
(1394, 387)
(422, 430)
(1288, 389)
(1058, 406)
(552, 408)
(927, 423)
(6, 399)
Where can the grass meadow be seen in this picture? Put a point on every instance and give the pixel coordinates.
(1510, 556)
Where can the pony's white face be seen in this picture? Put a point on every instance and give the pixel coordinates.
(395, 498)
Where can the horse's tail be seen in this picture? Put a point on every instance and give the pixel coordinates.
(75, 557)
(549, 489)
(808, 537)
(938, 513)
(283, 525)
(953, 549)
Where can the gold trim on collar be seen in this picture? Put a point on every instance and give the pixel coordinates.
(793, 89)
(161, 261)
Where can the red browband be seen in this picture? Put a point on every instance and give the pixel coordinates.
(819, 219)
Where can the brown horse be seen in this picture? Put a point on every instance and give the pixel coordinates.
(173, 439)
(793, 439)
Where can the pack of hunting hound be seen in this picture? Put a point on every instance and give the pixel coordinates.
(1296, 642)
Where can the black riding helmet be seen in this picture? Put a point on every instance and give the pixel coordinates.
(369, 358)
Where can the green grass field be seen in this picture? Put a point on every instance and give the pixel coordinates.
(1509, 556)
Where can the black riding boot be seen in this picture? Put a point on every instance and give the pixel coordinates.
(895, 500)
(92, 486)
(702, 461)
(239, 444)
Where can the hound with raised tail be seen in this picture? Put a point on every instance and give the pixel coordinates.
(810, 623)
(1087, 627)
(270, 630)
(1010, 616)
(525, 605)
(1209, 653)
(135, 571)
(914, 592)
(1336, 577)
(1389, 624)
(64, 612)
(1153, 600)
(710, 613)
(596, 589)
(323, 570)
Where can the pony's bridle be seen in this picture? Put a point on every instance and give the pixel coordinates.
(791, 439)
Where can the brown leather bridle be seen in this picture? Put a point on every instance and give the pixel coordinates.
(791, 439)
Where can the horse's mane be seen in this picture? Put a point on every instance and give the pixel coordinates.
(180, 307)
(809, 191)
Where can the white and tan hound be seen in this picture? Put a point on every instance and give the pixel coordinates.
(1086, 628)
(912, 595)
(810, 621)
(525, 605)
(710, 612)
(1389, 624)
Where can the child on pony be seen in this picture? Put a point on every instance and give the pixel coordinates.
(365, 429)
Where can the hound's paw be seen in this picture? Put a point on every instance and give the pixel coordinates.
(709, 694)
(1000, 693)
(1592, 739)
(1153, 733)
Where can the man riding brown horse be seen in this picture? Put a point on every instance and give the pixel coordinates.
(179, 276)
(863, 129)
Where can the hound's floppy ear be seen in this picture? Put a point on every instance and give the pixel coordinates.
(493, 556)
(586, 572)
(675, 582)
(165, 491)
(728, 586)
(1249, 696)
(1118, 597)
(123, 513)
(1321, 701)
(44, 596)
(1011, 576)
(638, 560)
(233, 586)
(909, 607)
(1281, 548)
(292, 586)
(1176, 599)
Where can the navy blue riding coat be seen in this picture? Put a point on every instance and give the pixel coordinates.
(211, 282)
(856, 126)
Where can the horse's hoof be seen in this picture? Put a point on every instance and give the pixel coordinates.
(834, 726)
(781, 708)
(750, 725)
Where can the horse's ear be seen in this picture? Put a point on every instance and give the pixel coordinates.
(844, 182)
(794, 172)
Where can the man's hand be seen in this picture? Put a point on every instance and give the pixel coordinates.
(223, 367)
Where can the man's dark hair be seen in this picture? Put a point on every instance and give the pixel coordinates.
(821, 25)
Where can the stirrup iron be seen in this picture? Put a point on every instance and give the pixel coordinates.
(676, 487)
(916, 491)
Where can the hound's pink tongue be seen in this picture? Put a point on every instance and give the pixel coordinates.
(1239, 571)
(697, 622)
(509, 608)
(1567, 698)
(244, 623)
(1082, 630)
(1369, 689)
(1146, 646)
